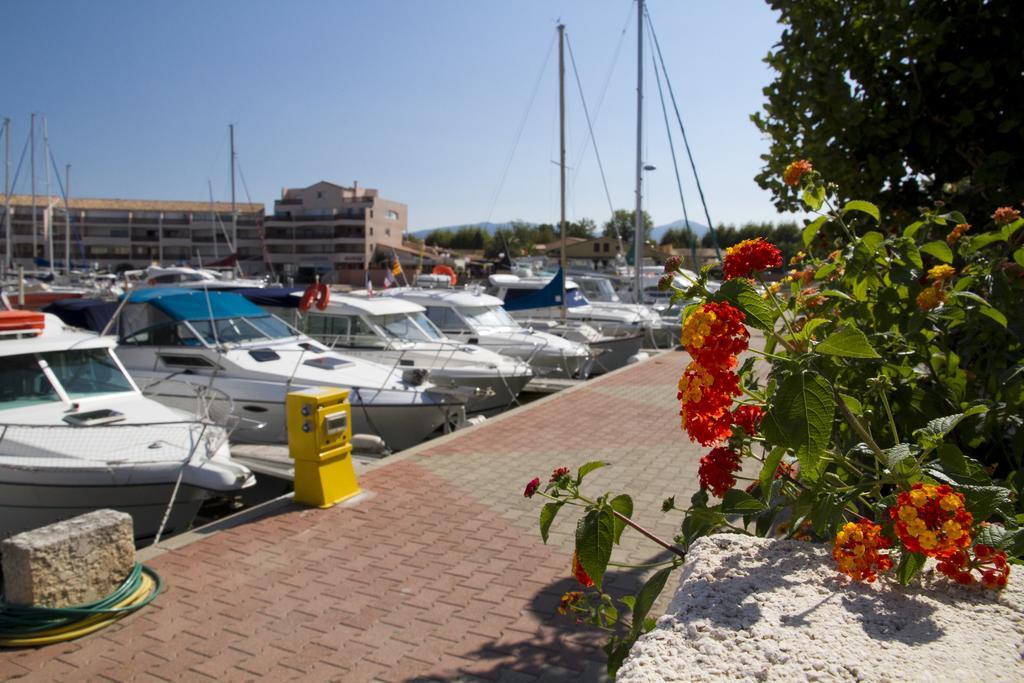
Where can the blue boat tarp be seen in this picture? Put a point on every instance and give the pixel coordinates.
(186, 304)
(279, 297)
(87, 314)
(550, 295)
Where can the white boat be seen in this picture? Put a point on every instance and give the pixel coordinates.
(174, 340)
(615, 336)
(600, 292)
(188, 278)
(478, 319)
(77, 435)
(398, 334)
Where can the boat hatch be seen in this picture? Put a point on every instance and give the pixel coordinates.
(264, 355)
(312, 347)
(93, 418)
(186, 361)
(326, 363)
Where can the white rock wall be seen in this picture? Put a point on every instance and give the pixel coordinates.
(752, 609)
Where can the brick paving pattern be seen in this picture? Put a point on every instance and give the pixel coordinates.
(438, 575)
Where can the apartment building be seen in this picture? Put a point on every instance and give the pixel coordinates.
(116, 234)
(338, 232)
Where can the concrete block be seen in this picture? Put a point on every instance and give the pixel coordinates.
(73, 562)
(754, 609)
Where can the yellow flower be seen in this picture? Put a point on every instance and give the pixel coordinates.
(928, 540)
(930, 297)
(918, 497)
(950, 503)
(941, 273)
(908, 513)
(952, 529)
(916, 527)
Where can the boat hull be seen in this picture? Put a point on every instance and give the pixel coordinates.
(615, 352)
(25, 506)
(494, 392)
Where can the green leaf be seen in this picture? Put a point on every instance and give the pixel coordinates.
(848, 342)
(646, 598)
(912, 229)
(853, 404)
(589, 467)
(971, 296)
(595, 534)
(994, 314)
(983, 501)
(814, 197)
(801, 418)
(622, 504)
(910, 565)
(836, 294)
(813, 324)
(771, 464)
(547, 516)
(812, 229)
(1018, 256)
(939, 250)
(901, 461)
(757, 311)
(864, 207)
(737, 502)
(998, 536)
(933, 433)
(825, 271)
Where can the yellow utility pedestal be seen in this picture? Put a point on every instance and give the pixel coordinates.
(319, 441)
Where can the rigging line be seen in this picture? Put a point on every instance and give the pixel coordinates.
(17, 172)
(519, 133)
(604, 89)
(671, 146)
(67, 210)
(590, 126)
(248, 198)
(696, 178)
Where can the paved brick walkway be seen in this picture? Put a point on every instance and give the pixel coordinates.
(438, 574)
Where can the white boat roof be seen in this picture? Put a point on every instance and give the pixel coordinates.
(453, 298)
(371, 305)
(56, 336)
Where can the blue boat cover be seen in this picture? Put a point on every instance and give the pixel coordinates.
(550, 295)
(197, 304)
(88, 314)
(280, 297)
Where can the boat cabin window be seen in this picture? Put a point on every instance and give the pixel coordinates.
(87, 372)
(343, 330)
(186, 361)
(24, 383)
(429, 328)
(401, 326)
(447, 319)
(489, 316)
(241, 330)
(164, 334)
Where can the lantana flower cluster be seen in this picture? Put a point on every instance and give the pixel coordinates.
(991, 564)
(750, 256)
(932, 520)
(861, 551)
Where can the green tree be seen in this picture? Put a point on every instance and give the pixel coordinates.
(623, 223)
(908, 101)
(680, 238)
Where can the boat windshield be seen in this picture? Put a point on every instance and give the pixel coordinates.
(400, 326)
(429, 328)
(488, 316)
(241, 330)
(81, 373)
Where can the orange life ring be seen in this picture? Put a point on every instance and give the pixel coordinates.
(323, 296)
(445, 270)
(317, 293)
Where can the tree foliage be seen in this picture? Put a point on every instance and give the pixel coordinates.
(623, 223)
(911, 102)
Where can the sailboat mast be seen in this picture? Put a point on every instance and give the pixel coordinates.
(234, 212)
(67, 219)
(32, 163)
(561, 155)
(638, 227)
(8, 251)
(48, 220)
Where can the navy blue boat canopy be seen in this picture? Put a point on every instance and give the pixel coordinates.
(550, 295)
(279, 297)
(87, 314)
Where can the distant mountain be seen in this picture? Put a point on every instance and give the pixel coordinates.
(659, 230)
(489, 227)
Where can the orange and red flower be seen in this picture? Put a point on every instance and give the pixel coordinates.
(579, 572)
(716, 470)
(714, 332)
(957, 232)
(748, 417)
(857, 551)
(750, 256)
(1005, 215)
(932, 520)
(531, 487)
(931, 297)
(559, 473)
(796, 171)
(989, 562)
(569, 601)
(705, 394)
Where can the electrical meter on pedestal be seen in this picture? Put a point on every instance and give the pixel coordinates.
(320, 443)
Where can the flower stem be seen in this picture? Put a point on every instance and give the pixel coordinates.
(892, 422)
(861, 431)
(663, 543)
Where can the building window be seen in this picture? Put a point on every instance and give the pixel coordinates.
(393, 215)
(371, 232)
(597, 247)
(319, 195)
(606, 247)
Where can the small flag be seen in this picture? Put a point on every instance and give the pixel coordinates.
(396, 269)
(389, 280)
(369, 285)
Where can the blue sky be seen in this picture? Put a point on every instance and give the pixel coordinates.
(419, 99)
